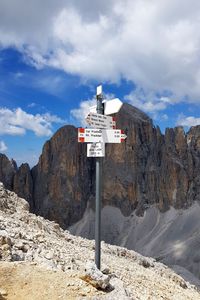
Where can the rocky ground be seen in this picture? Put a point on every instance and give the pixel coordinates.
(39, 260)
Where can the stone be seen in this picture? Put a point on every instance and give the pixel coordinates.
(8, 169)
(49, 255)
(3, 292)
(95, 277)
(23, 183)
(119, 291)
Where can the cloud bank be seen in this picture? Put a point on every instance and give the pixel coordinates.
(188, 121)
(155, 44)
(3, 146)
(17, 122)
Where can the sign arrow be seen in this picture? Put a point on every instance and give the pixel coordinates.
(112, 106)
(87, 135)
(100, 121)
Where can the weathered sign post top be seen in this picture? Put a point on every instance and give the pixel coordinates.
(103, 131)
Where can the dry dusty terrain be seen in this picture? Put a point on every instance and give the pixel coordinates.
(27, 281)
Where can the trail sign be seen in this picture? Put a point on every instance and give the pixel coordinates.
(101, 121)
(103, 131)
(88, 135)
(96, 150)
(110, 106)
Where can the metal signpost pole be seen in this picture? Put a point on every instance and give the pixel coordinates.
(103, 131)
(100, 110)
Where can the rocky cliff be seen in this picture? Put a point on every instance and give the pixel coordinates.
(63, 179)
(16, 179)
(148, 168)
(7, 171)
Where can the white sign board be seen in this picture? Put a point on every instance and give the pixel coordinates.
(100, 121)
(110, 106)
(87, 135)
(96, 150)
(99, 90)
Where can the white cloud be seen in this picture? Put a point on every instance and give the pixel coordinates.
(31, 105)
(3, 146)
(17, 122)
(187, 121)
(154, 44)
(79, 114)
(149, 101)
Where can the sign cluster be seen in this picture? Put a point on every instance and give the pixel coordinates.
(103, 129)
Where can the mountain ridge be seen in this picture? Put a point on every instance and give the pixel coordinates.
(148, 168)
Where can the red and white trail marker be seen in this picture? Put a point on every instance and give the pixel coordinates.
(100, 121)
(88, 135)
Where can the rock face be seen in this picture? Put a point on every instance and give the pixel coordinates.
(23, 183)
(63, 178)
(148, 168)
(17, 179)
(7, 171)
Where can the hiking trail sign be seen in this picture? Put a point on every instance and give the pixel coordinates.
(100, 121)
(96, 150)
(110, 106)
(103, 131)
(89, 135)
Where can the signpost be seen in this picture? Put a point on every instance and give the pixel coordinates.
(104, 131)
(110, 106)
(89, 135)
(100, 121)
(96, 150)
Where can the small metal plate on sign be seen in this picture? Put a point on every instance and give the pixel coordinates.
(96, 150)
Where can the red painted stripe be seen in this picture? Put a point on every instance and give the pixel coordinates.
(114, 119)
(81, 130)
(122, 131)
(81, 139)
(122, 140)
(114, 127)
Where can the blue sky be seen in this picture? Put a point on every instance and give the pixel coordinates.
(54, 54)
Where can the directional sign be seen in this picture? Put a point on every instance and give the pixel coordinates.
(101, 121)
(87, 135)
(110, 106)
(96, 150)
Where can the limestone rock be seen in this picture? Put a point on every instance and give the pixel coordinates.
(95, 277)
(149, 168)
(62, 178)
(23, 183)
(7, 171)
